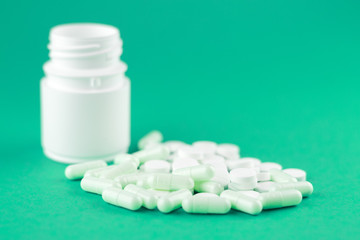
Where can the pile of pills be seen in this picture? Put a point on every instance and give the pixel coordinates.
(204, 177)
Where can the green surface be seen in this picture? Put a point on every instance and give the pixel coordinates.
(279, 78)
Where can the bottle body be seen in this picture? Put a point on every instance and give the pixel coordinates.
(85, 111)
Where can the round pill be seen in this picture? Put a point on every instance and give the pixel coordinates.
(156, 166)
(206, 147)
(263, 176)
(190, 151)
(174, 145)
(228, 150)
(266, 166)
(256, 161)
(299, 174)
(245, 177)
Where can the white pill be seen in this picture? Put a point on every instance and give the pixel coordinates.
(122, 198)
(97, 185)
(131, 178)
(150, 138)
(264, 186)
(172, 201)
(263, 176)
(206, 205)
(190, 152)
(237, 187)
(160, 152)
(148, 198)
(221, 173)
(239, 163)
(255, 161)
(96, 172)
(174, 145)
(77, 171)
(118, 170)
(163, 181)
(197, 173)
(124, 157)
(184, 162)
(280, 176)
(206, 147)
(208, 187)
(243, 202)
(252, 194)
(244, 177)
(228, 150)
(279, 199)
(306, 188)
(159, 193)
(212, 158)
(156, 166)
(266, 166)
(299, 174)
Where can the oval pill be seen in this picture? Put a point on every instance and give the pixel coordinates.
(208, 187)
(118, 170)
(156, 166)
(228, 150)
(150, 138)
(306, 188)
(77, 171)
(148, 199)
(172, 201)
(243, 202)
(163, 181)
(97, 185)
(266, 166)
(124, 157)
(197, 173)
(121, 198)
(299, 174)
(159, 152)
(280, 176)
(206, 205)
(279, 199)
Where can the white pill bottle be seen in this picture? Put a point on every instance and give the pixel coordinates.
(85, 95)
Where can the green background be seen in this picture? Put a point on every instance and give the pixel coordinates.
(279, 78)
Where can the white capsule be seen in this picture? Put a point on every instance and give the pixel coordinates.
(239, 187)
(243, 202)
(197, 173)
(228, 150)
(279, 199)
(150, 138)
(251, 193)
(299, 174)
(124, 157)
(172, 201)
(206, 147)
(131, 178)
(160, 152)
(263, 176)
(221, 173)
(118, 170)
(264, 186)
(208, 187)
(122, 198)
(239, 163)
(96, 172)
(206, 205)
(163, 181)
(306, 188)
(244, 177)
(77, 171)
(97, 185)
(280, 176)
(266, 166)
(156, 166)
(148, 199)
(159, 193)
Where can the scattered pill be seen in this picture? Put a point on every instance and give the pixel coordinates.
(150, 138)
(280, 176)
(299, 174)
(163, 181)
(190, 152)
(156, 166)
(118, 170)
(263, 176)
(197, 173)
(243, 202)
(206, 147)
(264, 186)
(159, 152)
(172, 201)
(266, 166)
(245, 178)
(77, 171)
(148, 198)
(228, 150)
(131, 178)
(97, 185)
(239, 163)
(124, 157)
(174, 146)
(206, 205)
(306, 188)
(279, 199)
(208, 187)
(121, 198)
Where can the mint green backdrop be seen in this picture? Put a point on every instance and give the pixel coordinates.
(279, 78)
